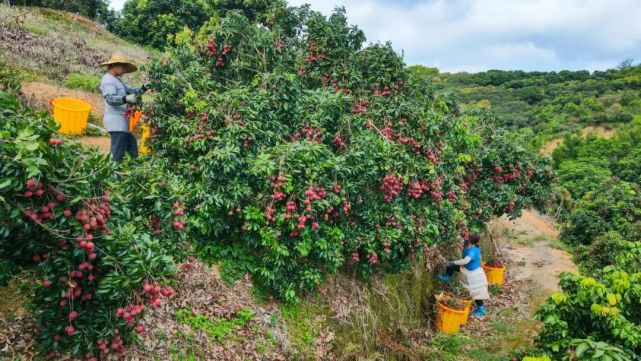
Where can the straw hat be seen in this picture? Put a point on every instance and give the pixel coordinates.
(119, 58)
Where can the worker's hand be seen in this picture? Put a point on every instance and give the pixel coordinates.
(449, 264)
(146, 87)
(131, 99)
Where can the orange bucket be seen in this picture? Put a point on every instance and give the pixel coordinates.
(72, 115)
(494, 274)
(134, 119)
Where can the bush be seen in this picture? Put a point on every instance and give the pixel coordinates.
(627, 168)
(94, 260)
(9, 81)
(88, 83)
(589, 318)
(601, 253)
(299, 165)
(613, 206)
(581, 177)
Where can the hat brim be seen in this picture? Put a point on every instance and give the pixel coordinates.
(129, 68)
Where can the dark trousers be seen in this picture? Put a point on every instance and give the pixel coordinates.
(450, 272)
(451, 269)
(122, 142)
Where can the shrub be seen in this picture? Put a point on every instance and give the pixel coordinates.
(627, 168)
(613, 206)
(88, 83)
(591, 317)
(581, 177)
(304, 165)
(602, 252)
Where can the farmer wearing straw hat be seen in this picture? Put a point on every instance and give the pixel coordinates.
(118, 96)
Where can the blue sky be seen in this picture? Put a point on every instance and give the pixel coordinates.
(476, 35)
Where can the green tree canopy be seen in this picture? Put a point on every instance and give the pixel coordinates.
(154, 22)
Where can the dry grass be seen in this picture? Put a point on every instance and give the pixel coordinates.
(47, 45)
(200, 289)
(387, 318)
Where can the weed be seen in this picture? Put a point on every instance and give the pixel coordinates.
(88, 83)
(300, 324)
(273, 319)
(219, 329)
(36, 30)
(503, 327)
(495, 290)
(524, 241)
(558, 244)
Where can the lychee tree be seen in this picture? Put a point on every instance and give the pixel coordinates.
(91, 253)
(307, 152)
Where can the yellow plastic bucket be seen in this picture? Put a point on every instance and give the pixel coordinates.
(143, 138)
(494, 274)
(72, 114)
(449, 320)
(468, 306)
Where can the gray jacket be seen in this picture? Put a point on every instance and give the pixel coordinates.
(113, 91)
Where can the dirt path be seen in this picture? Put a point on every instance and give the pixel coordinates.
(102, 143)
(533, 258)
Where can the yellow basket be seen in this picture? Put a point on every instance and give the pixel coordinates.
(72, 114)
(145, 135)
(468, 306)
(449, 320)
(494, 274)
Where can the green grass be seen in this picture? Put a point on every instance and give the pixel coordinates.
(528, 242)
(36, 30)
(558, 244)
(87, 83)
(506, 333)
(219, 329)
(183, 347)
(459, 348)
(303, 325)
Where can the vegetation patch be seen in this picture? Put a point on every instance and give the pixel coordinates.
(219, 329)
(87, 83)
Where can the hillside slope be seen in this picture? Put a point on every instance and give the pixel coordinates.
(57, 54)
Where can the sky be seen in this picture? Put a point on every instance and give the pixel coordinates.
(478, 35)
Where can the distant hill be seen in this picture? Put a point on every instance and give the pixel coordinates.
(546, 105)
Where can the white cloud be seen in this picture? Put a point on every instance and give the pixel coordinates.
(475, 35)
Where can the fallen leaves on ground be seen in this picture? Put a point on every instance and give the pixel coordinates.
(200, 289)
